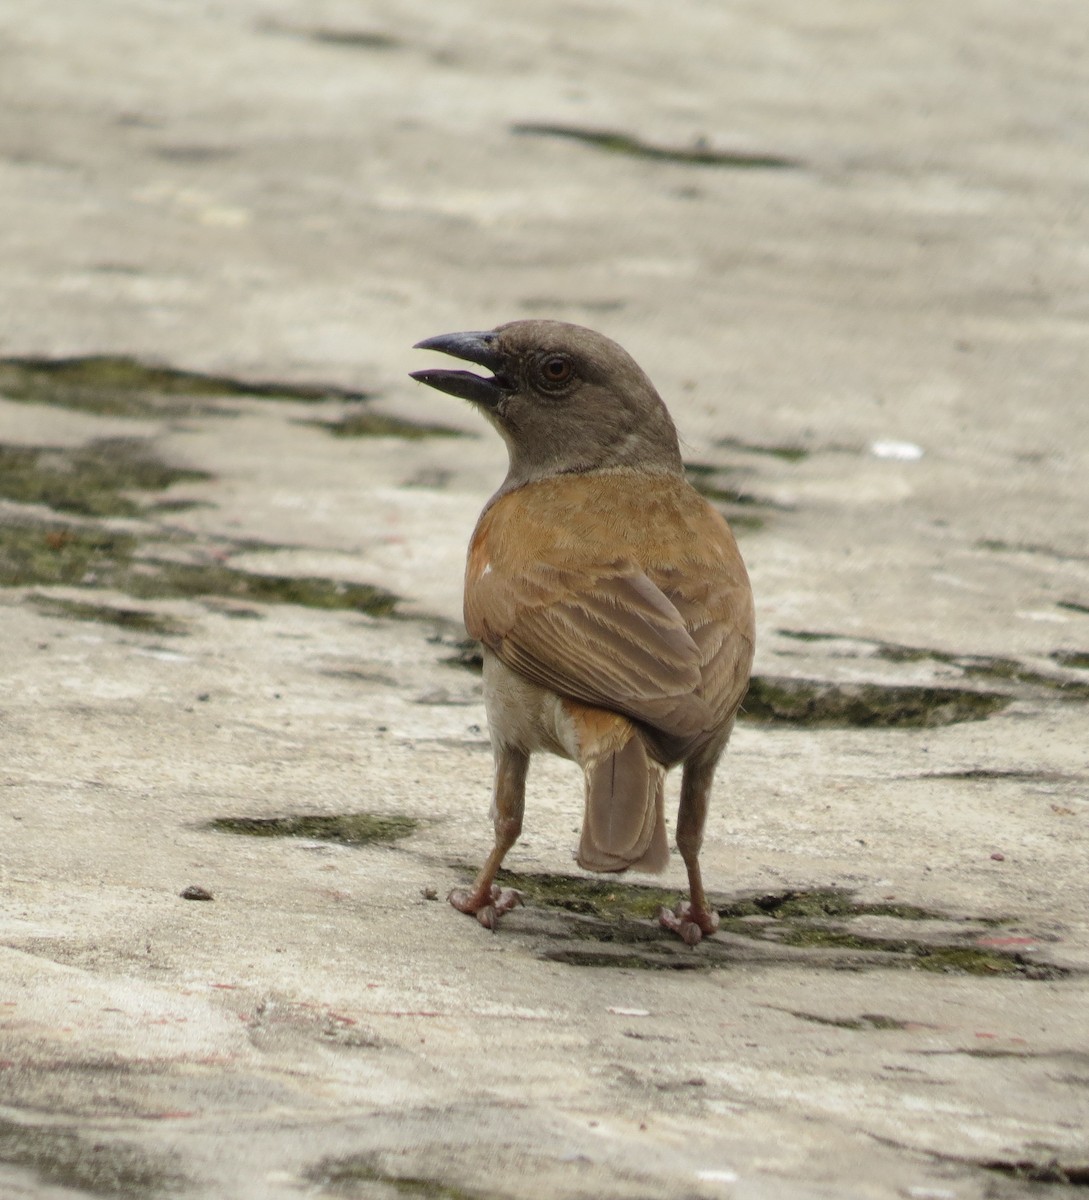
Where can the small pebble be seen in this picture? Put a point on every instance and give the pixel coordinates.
(998, 856)
(194, 892)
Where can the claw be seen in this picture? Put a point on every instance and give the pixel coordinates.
(687, 923)
(507, 899)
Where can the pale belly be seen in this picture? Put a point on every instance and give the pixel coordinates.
(524, 715)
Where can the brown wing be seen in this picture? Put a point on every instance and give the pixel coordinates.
(611, 640)
(615, 612)
(718, 614)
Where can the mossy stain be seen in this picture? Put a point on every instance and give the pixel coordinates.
(117, 385)
(613, 924)
(922, 956)
(865, 1021)
(362, 423)
(699, 154)
(821, 904)
(787, 453)
(91, 480)
(992, 668)
(44, 554)
(136, 619)
(607, 899)
(659, 959)
(1028, 1170)
(354, 39)
(713, 483)
(40, 554)
(353, 1174)
(63, 1158)
(1078, 659)
(151, 578)
(811, 702)
(350, 829)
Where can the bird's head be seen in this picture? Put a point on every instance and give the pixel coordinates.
(565, 399)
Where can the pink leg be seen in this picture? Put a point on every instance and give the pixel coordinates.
(485, 899)
(694, 918)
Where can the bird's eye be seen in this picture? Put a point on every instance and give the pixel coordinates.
(556, 369)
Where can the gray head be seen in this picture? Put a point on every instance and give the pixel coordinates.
(565, 399)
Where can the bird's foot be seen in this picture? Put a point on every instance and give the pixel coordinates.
(688, 923)
(488, 905)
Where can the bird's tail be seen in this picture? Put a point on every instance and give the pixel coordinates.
(624, 823)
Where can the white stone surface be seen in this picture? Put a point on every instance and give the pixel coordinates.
(251, 188)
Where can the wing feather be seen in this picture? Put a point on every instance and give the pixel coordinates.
(580, 607)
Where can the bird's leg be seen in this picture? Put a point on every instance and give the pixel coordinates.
(485, 899)
(693, 918)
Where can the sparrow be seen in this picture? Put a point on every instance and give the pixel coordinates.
(610, 599)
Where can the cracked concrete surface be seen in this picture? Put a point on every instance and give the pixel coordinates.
(881, 350)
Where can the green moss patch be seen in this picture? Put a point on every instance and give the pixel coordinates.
(328, 35)
(116, 385)
(150, 579)
(995, 669)
(821, 904)
(43, 554)
(788, 453)
(136, 619)
(38, 554)
(467, 652)
(743, 509)
(697, 155)
(608, 899)
(663, 957)
(865, 1021)
(1002, 547)
(362, 423)
(778, 699)
(354, 39)
(608, 923)
(612, 898)
(1078, 659)
(356, 1174)
(990, 668)
(989, 775)
(713, 482)
(63, 1158)
(1027, 1170)
(919, 955)
(91, 480)
(824, 919)
(350, 829)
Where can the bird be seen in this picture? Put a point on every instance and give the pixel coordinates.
(613, 607)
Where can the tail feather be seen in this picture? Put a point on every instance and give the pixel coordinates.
(624, 823)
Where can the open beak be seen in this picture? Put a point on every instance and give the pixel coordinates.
(479, 348)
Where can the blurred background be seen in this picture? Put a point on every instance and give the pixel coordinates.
(821, 228)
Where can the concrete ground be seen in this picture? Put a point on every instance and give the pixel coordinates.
(849, 243)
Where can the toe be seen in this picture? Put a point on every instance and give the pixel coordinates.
(707, 921)
(463, 900)
(688, 925)
(690, 933)
(488, 916)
